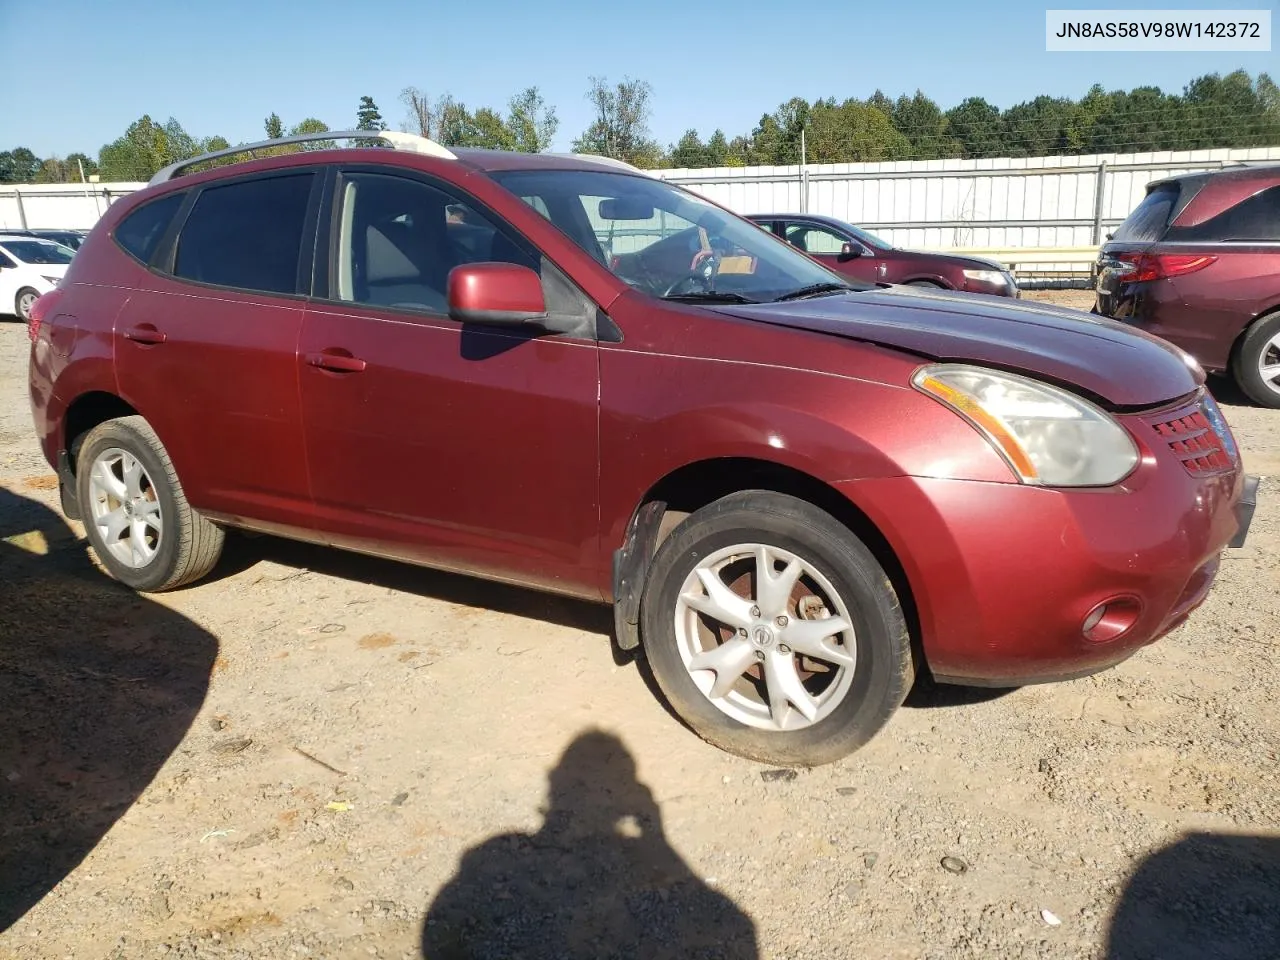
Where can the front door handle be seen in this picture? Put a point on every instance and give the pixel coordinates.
(335, 362)
(144, 333)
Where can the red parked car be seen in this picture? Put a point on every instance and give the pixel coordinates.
(1198, 263)
(555, 371)
(853, 252)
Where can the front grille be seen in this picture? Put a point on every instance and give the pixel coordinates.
(1194, 442)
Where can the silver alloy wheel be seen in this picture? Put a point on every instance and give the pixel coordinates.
(1269, 363)
(773, 645)
(25, 302)
(125, 507)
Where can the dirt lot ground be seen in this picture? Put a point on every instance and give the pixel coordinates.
(319, 755)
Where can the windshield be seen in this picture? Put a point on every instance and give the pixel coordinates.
(668, 242)
(870, 239)
(38, 251)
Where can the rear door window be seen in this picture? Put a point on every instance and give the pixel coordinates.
(247, 234)
(1255, 218)
(1147, 222)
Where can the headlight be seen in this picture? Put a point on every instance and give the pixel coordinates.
(1048, 436)
(997, 277)
(52, 280)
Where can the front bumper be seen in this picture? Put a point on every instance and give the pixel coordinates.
(1004, 576)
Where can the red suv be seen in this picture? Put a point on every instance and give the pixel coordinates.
(1198, 263)
(556, 371)
(854, 252)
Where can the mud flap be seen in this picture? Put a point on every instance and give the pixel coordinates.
(630, 568)
(1244, 511)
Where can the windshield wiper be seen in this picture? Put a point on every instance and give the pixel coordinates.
(710, 296)
(813, 290)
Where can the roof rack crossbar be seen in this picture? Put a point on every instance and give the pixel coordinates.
(397, 140)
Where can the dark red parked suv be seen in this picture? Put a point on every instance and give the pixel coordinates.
(1198, 263)
(557, 371)
(855, 252)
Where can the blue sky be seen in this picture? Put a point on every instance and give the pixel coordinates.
(89, 69)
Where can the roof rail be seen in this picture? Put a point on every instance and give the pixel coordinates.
(612, 161)
(396, 139)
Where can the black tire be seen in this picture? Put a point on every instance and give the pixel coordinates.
(188, 546)
(884, 668)
(1249, 352)
(22, 294)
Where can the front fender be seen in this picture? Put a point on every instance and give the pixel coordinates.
(831, 428)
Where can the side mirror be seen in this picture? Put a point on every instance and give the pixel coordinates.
(496, 294)
(850, 251)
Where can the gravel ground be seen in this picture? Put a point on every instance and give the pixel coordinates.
(315, 754)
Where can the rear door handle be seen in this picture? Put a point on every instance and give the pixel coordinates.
(335, 362)
(144, 333)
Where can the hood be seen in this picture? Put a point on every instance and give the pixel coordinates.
(1122, 366)
(963, 261)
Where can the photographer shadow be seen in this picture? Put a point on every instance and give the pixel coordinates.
(98, 686)
(1207, 896)
(599, 879)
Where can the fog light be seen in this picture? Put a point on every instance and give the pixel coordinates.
(1111, 619)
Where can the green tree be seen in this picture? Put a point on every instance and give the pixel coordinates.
(139, 153)
(976, 124)
(923, 123)
(688, 152)
(718, 152)
(312, 125)
(368, 116)
(1039, 127)
(621, 127)
(275, 129)
(19, 165)
(532, 123)
(852, 132)
(77, 161)
(52, 170)
(1141, 119)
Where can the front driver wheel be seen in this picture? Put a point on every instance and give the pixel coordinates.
(138, 520)
(773, 631)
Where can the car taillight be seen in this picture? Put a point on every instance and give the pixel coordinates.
(1158, 266)
(41, 309)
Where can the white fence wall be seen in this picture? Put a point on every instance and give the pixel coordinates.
(1001, 203)
(1024, 202)
(70, 206)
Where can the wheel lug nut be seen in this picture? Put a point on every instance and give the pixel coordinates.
(742, 631)
(759, 654)
(780, 621)
(755, 611)
(783, 648)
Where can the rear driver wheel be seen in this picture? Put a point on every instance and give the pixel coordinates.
(1257, 361)
(138, 520)
(774, 632)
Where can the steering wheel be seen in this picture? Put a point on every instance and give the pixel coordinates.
(701, 279)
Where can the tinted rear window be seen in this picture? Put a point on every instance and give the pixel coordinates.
(247, 234)
(139, 233)
(1254, 218)
(1147, 222)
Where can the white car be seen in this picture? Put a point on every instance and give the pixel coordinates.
(29, 267)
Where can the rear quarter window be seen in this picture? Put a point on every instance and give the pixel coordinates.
(1255, 218)
(141, 231)
(1147, 222)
